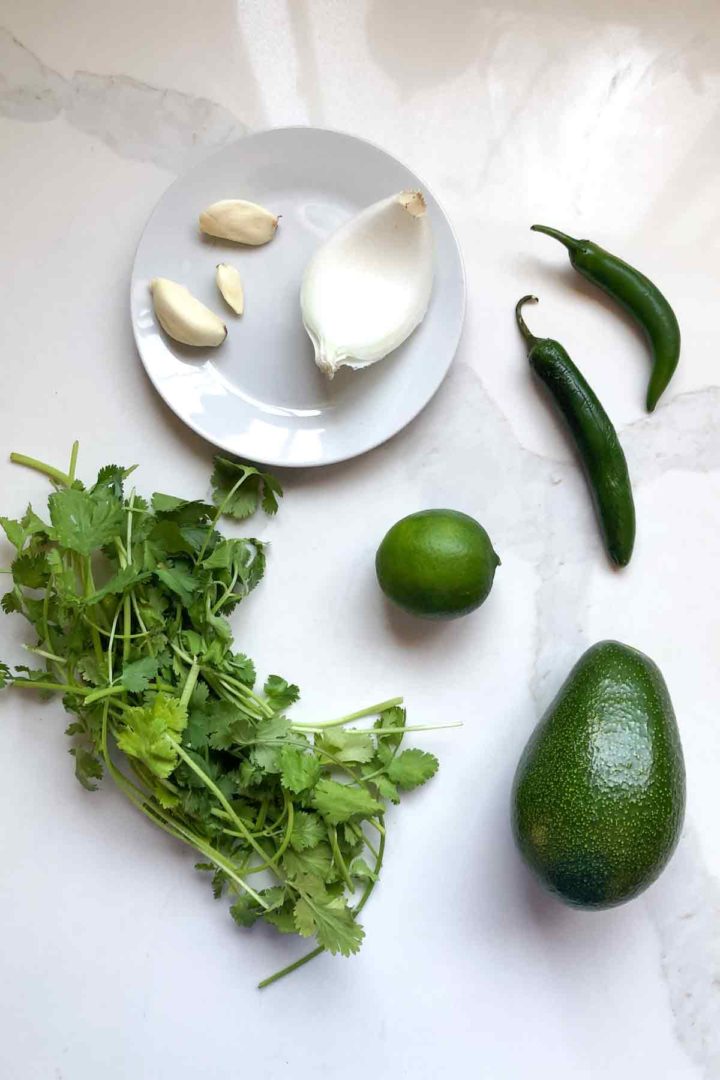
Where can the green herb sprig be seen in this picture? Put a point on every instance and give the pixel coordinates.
(129, 600)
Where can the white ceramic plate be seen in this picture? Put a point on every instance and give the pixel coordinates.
(259, 395)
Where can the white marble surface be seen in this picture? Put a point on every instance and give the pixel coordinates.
(598, 117)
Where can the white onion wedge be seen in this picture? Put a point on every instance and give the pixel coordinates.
(368, 287)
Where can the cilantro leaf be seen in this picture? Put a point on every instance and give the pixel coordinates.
(10, 603)
(246, 911)
(18, 532)
(119, 583)
(240, 667)
(136, 676)
(88, 768)
(347, 746)
(412, 768)
(166, 503)
(272, 491)
(307, 831)
(332, 922)
(33, 525)
(280, 693)
(222, 556)
(182, 511)
(83, 520)
(226, 726)
(5, 675)
(239, 489)
(146, 729)
(167, 538)
(341, 802)
(90, 670)
(386, 788)
(195, 736)
(14, 532)
(391, 718)
(358, 868)
(30, 570)
(282, 919)
(111, 478)
(298, 771)
(315, 862)
(180, 580)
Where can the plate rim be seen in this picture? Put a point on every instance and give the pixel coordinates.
(374, 443)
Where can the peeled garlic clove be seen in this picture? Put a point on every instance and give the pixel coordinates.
(230, 286)
(368, 287)
(243, 222)
(183, 317)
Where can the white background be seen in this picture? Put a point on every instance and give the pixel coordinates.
(599, 118)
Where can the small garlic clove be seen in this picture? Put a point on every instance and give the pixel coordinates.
(238, 220)
(183, 317)
(230, 286)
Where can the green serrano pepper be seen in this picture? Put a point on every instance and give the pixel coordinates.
(638, 296)
(594, 435)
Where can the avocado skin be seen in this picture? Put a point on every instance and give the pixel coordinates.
(599, 794)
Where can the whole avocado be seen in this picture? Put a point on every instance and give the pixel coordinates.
(599, 794)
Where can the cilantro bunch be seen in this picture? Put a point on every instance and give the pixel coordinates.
(129, 601)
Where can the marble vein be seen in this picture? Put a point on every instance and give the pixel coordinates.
(686, 915)
(168, 128)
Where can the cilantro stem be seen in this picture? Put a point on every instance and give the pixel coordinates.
(142, 802)
(37, 684)
(226, 592)
(127, 611)
(189, 686)
(373, 881)
(318, 730)
(339, 861)
(89, 585)
(231, 693)
(369, 711)
(106, 633)
(50, 471)
(43, 653)
(271, 862)
(291, 967)
(111, 643)
(104, 692)
(73, 461)
(362, 836)
(262, 814)
(45, 628)
(211, 786)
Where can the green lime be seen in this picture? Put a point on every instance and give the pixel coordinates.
(437, 563)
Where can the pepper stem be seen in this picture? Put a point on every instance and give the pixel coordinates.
(570, 243)
(529, 338)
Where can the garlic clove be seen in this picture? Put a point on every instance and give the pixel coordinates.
(230, 286)
(368, 287)
(238, 220)
(183, 317)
